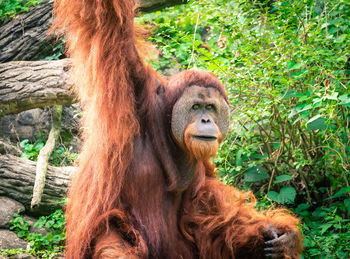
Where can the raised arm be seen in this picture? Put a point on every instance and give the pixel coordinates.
(107, 72)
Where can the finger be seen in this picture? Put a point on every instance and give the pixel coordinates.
(271, 231)
(277, 241)
(274, 250)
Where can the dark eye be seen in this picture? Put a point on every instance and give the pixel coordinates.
(209, 107)
(195, 107)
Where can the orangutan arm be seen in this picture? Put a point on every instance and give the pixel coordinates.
(223, 223)
(113, 246)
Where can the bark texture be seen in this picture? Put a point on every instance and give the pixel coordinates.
(28, 85)
(17, 178)
(25, 37)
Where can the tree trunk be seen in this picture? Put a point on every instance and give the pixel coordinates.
(25, 37)
(28, 85)
(17, 178)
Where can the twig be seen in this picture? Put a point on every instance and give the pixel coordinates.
(44, 155)
(194, 40)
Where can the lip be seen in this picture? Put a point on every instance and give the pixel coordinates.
(205, 138)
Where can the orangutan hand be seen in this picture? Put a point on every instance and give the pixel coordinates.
(283, 245)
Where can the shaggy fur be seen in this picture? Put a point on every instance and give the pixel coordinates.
(130, 195)
(199, 150)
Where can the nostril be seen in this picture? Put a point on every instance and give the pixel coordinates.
(205, 120)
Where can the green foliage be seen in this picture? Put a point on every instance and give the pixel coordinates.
(286, 67)
(61, 155)
(45, 246)
(57, 51)
(286, 195)
(326, 232)
(31, 151)
(10, 252)
(10, 8)
(255, 174)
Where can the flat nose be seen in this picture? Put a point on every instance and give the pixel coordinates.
(205, 120)
(205, 126)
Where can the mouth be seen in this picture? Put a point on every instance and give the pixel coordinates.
(205, 138)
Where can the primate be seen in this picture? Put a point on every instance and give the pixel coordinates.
(146, 185)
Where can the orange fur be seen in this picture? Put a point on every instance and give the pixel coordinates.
(111, 246)
(135, 189)
(199, 150)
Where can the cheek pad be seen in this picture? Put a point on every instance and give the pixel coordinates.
(179, 120)
(224, 118)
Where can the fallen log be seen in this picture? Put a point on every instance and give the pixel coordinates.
(17, 176)
(25, 37)
(26, 85)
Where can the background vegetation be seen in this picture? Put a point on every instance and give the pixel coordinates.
(286, 66)
(10, 8)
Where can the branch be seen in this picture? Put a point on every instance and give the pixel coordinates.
(28, 85)
(44, 155)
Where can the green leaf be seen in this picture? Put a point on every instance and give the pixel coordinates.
(325, 227)
(49, 236)
(239, 157)
(333, 96)
(344, 100)
(286, 195)
(347, 204)
(283, 178)
(292, 65)
(291, 93)
(316, 123)
(273, 196)
(298, 109)
(254, 174)
(301, 209)
(23, 143)
(341, 192)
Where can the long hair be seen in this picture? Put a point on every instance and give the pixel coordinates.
(127, 111)
(101, 42)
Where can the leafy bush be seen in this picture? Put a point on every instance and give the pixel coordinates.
(61, 155)
(45, 246)
(326, 232)
(286, 66)
(10, 8)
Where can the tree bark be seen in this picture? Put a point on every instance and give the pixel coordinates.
(7, 148)
(17, 176)
(28, 85)
(26, 38)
